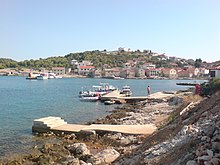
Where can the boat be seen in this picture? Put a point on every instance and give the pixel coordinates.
(109, 102)
(43, 76)
(100, 90)
(126, 90)
(92, 97)
(32, 76)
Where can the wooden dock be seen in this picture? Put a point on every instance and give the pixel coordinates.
(58, 125)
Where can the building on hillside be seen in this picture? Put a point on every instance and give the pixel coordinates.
(140, 73)
(59, 70)
(214, 73)
(98, 73)
(178, 69)
(153, 73)
(85, 70)
(113, 72)
(127, 73)
(169, 73)
(184, 74)
(203, 72)
(162, 57)
(126, 65)
(74, 62)
(148, 65)
(173, 65)
(85, 63)
(193, 71)
(173, 59)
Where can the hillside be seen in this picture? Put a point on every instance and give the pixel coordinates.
(191, 138)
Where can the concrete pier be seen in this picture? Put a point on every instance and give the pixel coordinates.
(115, 95)
(58, 125)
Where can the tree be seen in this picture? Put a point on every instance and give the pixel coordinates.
(198, 63)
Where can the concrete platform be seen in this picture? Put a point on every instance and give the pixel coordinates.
(127, 129)
(42, 125)
(115, 95)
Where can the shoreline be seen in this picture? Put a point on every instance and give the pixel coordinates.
(143, 112)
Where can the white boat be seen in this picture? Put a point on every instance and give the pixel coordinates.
(99, 90)
(109, 102)
(126, 90)
(93, 97)
(32, 76)
(43, 76)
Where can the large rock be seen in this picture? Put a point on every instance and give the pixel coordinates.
(216, 146)
(215, 161)
(175, 100)
(191, 162)
(78, 149)
(106, 156)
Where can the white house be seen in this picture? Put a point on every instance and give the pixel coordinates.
(214, 73)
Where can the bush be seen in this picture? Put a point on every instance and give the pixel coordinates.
(212, 86)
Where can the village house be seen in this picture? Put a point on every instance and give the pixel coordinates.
(140, 73)
(153, 73)
(127, 73)
(203, 72)
(173, 65)
(85, 70)
(162, 57)
(184, 74)
(148, 66)
(113, 72)
(193, 71)
(84, 63)
(169, 73)
(98, 73)
(58, 70)
(214, 73)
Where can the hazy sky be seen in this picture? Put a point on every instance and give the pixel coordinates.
(33, 29)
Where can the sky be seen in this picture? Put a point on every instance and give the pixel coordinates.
(33, 29)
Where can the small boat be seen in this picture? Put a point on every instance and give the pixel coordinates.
(32, 76)
(42, 77)
(93, 97)
(109, 102)
(126, 90)
(100, 90)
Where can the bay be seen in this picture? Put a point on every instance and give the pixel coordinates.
(22, 101)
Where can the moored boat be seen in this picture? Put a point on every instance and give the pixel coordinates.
(100, 90)
(126, 90)
(93, 97)
(43, 76)
(109, 102)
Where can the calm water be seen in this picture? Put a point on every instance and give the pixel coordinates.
(23, 100)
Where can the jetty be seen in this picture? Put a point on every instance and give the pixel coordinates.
(115, 95)
(58, 125)
(186, 84)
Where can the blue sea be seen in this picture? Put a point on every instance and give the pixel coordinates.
(22, 101)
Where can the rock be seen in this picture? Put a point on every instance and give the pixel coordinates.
(106, 156)
(72, 160)
(215, 161)
(175, 100)
(191, 162)
(210, 131)
(207, 163)
(78, 149)
(216, 146)
(210, 153)
(204, 158)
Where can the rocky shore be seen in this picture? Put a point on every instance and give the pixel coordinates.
(188, 133)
